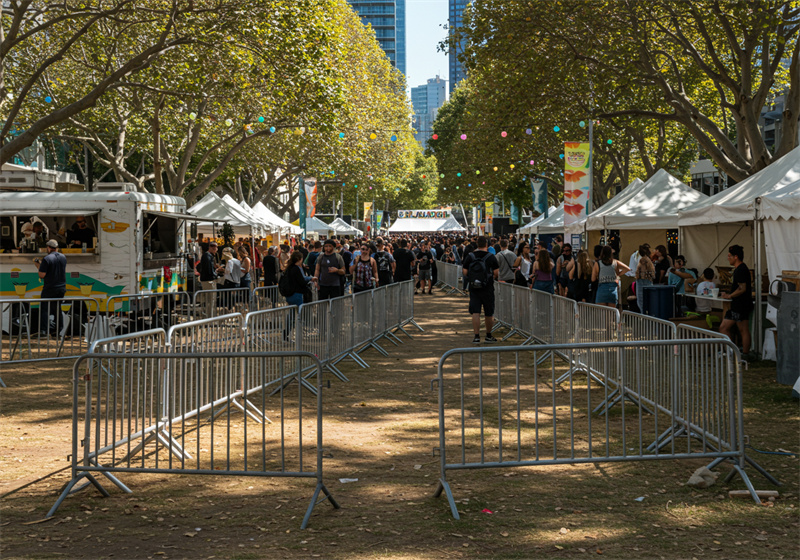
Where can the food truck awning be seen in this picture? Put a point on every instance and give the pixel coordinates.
(176, 216)
(47, 212)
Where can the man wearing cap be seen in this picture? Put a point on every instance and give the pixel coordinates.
(328, 270)
(53, 272)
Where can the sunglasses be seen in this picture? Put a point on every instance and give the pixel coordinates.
(81, 222)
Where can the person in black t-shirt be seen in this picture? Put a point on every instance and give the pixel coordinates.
(404, 262)
(484, 296)
(741, 298)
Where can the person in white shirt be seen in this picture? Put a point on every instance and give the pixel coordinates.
(704, 289)
(627, 279)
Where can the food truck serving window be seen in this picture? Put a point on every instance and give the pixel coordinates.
(28, 230)
(161, 231)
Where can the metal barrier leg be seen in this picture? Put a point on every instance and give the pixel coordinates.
(444, 486)
(335, 371)
(413, 322)
(328, 496)
(263, 416)
(405, 332)
(68, 490)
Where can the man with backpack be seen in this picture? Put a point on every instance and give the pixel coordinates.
(481, 270)
(386, 264)
(310, 262)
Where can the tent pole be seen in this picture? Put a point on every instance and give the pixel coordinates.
(756, 340)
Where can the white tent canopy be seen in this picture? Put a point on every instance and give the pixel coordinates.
(553, 224)
(252, 218)
(421, 225)
(213, 210)
(315, 225)
(616, 201)
(528, 228)
(654, 205)
(780, 211)
(270, 217)
(343, 228)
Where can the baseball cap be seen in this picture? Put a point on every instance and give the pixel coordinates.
(53, 243)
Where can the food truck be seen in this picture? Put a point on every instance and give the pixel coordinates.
(137, 243)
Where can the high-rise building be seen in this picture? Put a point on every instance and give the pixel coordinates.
(455, 21)
(388, 20)
(426, 100)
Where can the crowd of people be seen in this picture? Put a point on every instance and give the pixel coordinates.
(338, 266)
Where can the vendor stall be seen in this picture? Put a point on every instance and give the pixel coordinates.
(340, 227)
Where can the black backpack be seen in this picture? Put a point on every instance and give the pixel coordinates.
(284, 287)
(478, 274)
(384, 264)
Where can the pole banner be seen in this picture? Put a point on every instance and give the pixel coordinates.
(539, 194)
(489, 205)
(577, 161)
(378, 219)
(311, 196)
(368, 211)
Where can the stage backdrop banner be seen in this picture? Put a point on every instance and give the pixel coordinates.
(311, 196)
(577, 160)
(441, 214)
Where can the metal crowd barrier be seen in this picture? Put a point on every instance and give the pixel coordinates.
(140, 312)
(503, 306)
(207, 304)
(38, 330)
(498, 408)
(597, 324)
(267, 297)
(407, 307)
(450, 275)
(107, 421)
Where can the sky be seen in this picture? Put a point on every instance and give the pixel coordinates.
(424, 21)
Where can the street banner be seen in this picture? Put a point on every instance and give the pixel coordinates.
(539, 195)
(311, 196)
(368, 212)
(489, 205)
(577, 161)
(378, 219)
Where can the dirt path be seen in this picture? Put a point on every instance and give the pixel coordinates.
(380, 428)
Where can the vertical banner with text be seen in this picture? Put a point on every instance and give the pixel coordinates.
(368, 211)
(311, 196)
(577, 189)
(378, 219)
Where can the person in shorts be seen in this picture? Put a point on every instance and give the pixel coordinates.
(425, 267)
(482, 297)
(740, 294)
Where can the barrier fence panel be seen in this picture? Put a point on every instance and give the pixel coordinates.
(270, 331)
(339, 333)
(107, 410)
(407, 306)
(450, 275)
(140, 312)
(656, 367)
(521, 312)
(503, 305)
(362, 320)
(313, 329)
(37, 330)
(598, 324)
(393, 306)
(267, 297)
(499, 408)
(378, 323)
(196, 388)
(207, 304)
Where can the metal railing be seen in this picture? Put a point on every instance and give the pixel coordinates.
(207, 304)
(451, 276)
(37, 330)
(499, 408)
(267, 297)
(111, 425)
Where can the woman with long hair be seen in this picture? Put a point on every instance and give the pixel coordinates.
(523, 265)
(297, 280)
(246, 264)
(580, 274)
(543, 272)
(606, 272)
(364, 270)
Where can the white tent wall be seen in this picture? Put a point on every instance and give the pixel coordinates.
(782, 241)
(707, 245)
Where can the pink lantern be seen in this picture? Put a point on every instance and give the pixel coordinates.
(504, 134)
(463, 136)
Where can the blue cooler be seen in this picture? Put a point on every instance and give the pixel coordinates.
(659, 301)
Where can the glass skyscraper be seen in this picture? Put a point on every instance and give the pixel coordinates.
(388, 20)
(455, 20)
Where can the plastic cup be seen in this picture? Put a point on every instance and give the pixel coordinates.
(715, 292)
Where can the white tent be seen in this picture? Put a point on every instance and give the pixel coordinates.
(551, 225)
(315, 225)
(270, 217)
(780, 211)
(616, 201)
(340, 227)
(423, 225)
(528, 228)
(263, 227)
(709, 227)
(214, 212)
(653, 205)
